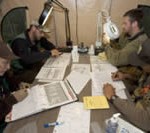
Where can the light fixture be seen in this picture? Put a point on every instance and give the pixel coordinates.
(107, 27)
(111, 30)
(47, 12)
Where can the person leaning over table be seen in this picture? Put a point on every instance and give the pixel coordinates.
(137, 112)
(132, 37)
(7, 98)
(32, 48)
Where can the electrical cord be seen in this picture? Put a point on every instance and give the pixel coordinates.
(77, 38)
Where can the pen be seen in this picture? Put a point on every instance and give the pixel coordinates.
(47, 125)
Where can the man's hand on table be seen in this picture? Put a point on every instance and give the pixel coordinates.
(116, 76)
(55, 53)
(109, 91)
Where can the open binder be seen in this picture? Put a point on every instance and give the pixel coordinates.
(43, 97)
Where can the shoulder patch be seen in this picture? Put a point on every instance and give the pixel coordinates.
(139, 50)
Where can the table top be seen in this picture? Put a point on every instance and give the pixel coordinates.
(98, 117)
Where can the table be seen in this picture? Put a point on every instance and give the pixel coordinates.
(98, 117)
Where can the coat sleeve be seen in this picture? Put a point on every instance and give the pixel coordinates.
(120, 57)
(6, 105)
(47, 45)
(137, 116)
(21, 49)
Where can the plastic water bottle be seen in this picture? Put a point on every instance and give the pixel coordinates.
(112, 124)
(92, 50)
(75, 54)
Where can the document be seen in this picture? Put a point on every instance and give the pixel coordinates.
(101, 78)
(51, 74)
(96, 60)
(76, 119)
(95, 102)
(78, 81)
(126, 127)
(103, 67)
(81, 68)
(43, 97)
(60, 61)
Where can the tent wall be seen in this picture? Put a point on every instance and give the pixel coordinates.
(87, 16)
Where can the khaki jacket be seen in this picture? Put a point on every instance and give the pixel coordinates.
(119, 57)
(137, 112)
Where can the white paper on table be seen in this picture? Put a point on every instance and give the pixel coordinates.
(78, 81)
(96, 67)
(60, 61)
(76, 119)
(103, 67)
(101, 78)
(51, 74)
(81, 68)
(96, 60)
(97, 92)
(122, 94)
(126, 127)
(32, 104)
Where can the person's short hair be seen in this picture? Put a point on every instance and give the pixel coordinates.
(135, 15)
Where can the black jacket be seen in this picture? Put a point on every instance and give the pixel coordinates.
(6, 99)
(30, 53)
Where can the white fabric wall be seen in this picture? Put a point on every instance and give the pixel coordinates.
(87, 10)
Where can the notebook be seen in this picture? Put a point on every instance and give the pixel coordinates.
(43, 97)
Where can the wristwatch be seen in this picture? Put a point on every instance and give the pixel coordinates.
(113, 98)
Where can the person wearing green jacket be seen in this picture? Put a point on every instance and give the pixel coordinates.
(132, 37)
(137, 110)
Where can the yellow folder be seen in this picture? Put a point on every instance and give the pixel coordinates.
(95, 102)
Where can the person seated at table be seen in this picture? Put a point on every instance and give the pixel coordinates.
(136, 77)
(32, 48)
(137, 112)
(7, 98)
(132, 37)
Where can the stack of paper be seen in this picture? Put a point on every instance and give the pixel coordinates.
(101, 78)
(54, 68)
(100, 65)
(81, 68)
(103, 67)
(125, 127)
(76, 119)
(97, 60)
(61, 61)
(95, 102)
(51, 74)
